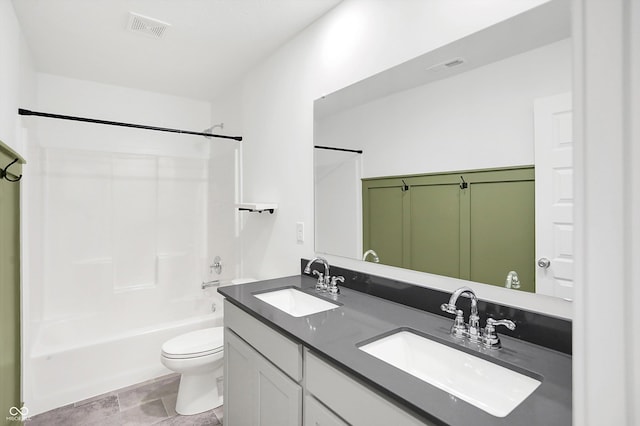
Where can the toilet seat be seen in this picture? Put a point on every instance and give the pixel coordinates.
(195, 344)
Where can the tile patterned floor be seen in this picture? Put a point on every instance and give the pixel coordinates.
(149, 403)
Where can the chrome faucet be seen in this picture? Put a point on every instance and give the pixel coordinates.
(324, 280)
(373, 254)
(512, 281)
(486, 337)
(460, 329)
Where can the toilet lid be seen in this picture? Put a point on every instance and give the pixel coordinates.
(195, 343)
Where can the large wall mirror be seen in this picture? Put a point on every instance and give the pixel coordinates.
(457, 123)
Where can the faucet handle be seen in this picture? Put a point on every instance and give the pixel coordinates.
(449, 308)
(334, 284)
(506, 322)
(320, 284)
(490, 338)
(459, 328)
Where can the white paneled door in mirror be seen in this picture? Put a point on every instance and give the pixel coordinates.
(554, 195)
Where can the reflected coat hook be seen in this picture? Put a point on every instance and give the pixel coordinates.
(463, 184)
(4, 174)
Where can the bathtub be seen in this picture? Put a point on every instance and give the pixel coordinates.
(73, 360)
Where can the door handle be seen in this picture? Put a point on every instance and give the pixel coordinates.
(543, 262)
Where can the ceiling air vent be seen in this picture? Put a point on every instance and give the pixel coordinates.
(140, 24)
(445, 65)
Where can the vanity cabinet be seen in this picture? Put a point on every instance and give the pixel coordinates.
(256, 391)
(316, 414)
(475, 225)
(353, 401)
(262, 389)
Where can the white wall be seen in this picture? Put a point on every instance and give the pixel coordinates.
(355, 40)
(482, 118)
(17, 78)
(61, 95)
(606, 386)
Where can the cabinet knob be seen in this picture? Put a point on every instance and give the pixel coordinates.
(543, 262)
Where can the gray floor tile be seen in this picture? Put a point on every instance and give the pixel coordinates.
(70, 415)
(145, 414)
(170, 404)
(93, 399)
(96, 410)
(137, 385)
(208, 418)
(54, 417)
(113, 420)
(148, 392)
(219, 412)
(148, 403)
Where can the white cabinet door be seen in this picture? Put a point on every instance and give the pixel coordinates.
(316, 414)
(256, 392)
(239, 389)
(279, 399)
(554, 195)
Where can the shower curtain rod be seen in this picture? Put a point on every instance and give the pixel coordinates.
(117, 123)
(357, 151)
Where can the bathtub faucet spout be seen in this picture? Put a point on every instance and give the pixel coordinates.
(214, 283)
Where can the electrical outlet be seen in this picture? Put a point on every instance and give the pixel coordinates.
(300, 232)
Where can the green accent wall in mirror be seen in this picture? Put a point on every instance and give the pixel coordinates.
(475, 225)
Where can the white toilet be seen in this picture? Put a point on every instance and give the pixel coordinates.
(198, 356)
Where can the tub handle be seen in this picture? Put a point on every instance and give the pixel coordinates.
(216, 265)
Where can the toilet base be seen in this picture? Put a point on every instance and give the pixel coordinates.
(199, 393)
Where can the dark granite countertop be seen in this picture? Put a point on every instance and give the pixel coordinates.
(334, 335)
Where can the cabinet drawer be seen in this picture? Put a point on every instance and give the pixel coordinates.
(284, 353)
(316, 414)
(354, 402)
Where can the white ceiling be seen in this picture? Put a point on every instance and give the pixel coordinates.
(209, 45)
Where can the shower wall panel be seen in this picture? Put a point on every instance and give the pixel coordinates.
(122, 230)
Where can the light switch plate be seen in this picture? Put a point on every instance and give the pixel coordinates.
(300, 232)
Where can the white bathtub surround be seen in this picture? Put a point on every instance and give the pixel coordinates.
(118, 239)
(242, 280)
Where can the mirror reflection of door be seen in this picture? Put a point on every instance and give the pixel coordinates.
(554, 195)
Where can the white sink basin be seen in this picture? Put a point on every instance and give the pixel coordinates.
(295, 303)
(488, 386)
